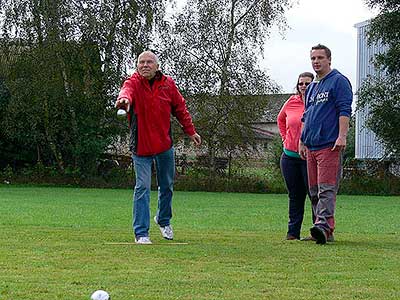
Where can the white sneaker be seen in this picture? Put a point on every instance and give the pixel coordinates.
(143, 240)
(166, 231)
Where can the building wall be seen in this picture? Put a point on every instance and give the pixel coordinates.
(367, 146)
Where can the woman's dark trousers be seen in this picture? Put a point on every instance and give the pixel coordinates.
(294, 171)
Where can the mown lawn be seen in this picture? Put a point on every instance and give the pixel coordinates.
(65, 243)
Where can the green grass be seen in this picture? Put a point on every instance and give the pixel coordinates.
(54, 245)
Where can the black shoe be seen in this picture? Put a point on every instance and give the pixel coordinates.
(291, 238)
(319, 234)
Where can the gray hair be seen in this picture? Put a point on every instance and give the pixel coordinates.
(151, 53)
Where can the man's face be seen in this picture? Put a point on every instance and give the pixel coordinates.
(147, 66)
(320, 62)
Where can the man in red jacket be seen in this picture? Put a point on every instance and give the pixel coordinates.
(151, 98)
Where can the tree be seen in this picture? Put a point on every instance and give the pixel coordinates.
(212, 49)
(62, 62)
(380, 94)
(6, 148)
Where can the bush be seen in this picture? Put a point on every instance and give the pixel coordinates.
(7, 174)
(250, 180)
(369, 178)
(221, 184)
(360, 178)
(370, 185)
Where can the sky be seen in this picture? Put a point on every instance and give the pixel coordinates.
(329, 22)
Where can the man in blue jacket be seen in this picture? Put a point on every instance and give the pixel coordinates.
(325, 125)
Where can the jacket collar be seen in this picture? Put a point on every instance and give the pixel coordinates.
(158, 76)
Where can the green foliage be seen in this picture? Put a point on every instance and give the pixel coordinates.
(274, 151)
(381, 98)
(385, 28)
(379, 94)
(56, 118)
(211, 48)
(7, 150)
(238, 184)
(7, 174)
(60, 66)
(349, 152)
(66, 243)
(40, 174)
(369, 178)
(369, 185)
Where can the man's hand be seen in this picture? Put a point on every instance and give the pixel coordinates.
(340, 144)
(123, 103)
(196, 139)
(302, 150)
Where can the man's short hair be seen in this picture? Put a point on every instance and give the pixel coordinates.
(322, 47)
(149, 52)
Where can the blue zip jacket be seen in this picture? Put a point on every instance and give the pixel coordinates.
(326, 100)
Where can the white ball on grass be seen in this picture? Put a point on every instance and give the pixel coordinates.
(100, 295)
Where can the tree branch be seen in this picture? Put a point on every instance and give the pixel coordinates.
(245, 13)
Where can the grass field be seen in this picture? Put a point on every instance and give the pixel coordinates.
(57, 243)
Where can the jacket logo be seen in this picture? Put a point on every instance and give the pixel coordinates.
(320, 98)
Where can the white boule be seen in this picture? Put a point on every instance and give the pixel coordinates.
(121, 113)
(100, 295)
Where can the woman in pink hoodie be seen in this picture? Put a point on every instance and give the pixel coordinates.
(294, 169)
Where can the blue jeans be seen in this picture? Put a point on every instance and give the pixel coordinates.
(165, 169)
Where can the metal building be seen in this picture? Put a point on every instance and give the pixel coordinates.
(367, 146)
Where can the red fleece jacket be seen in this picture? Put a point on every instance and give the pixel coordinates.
(152, 108)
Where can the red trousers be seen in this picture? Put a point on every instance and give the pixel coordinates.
(324, 169)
